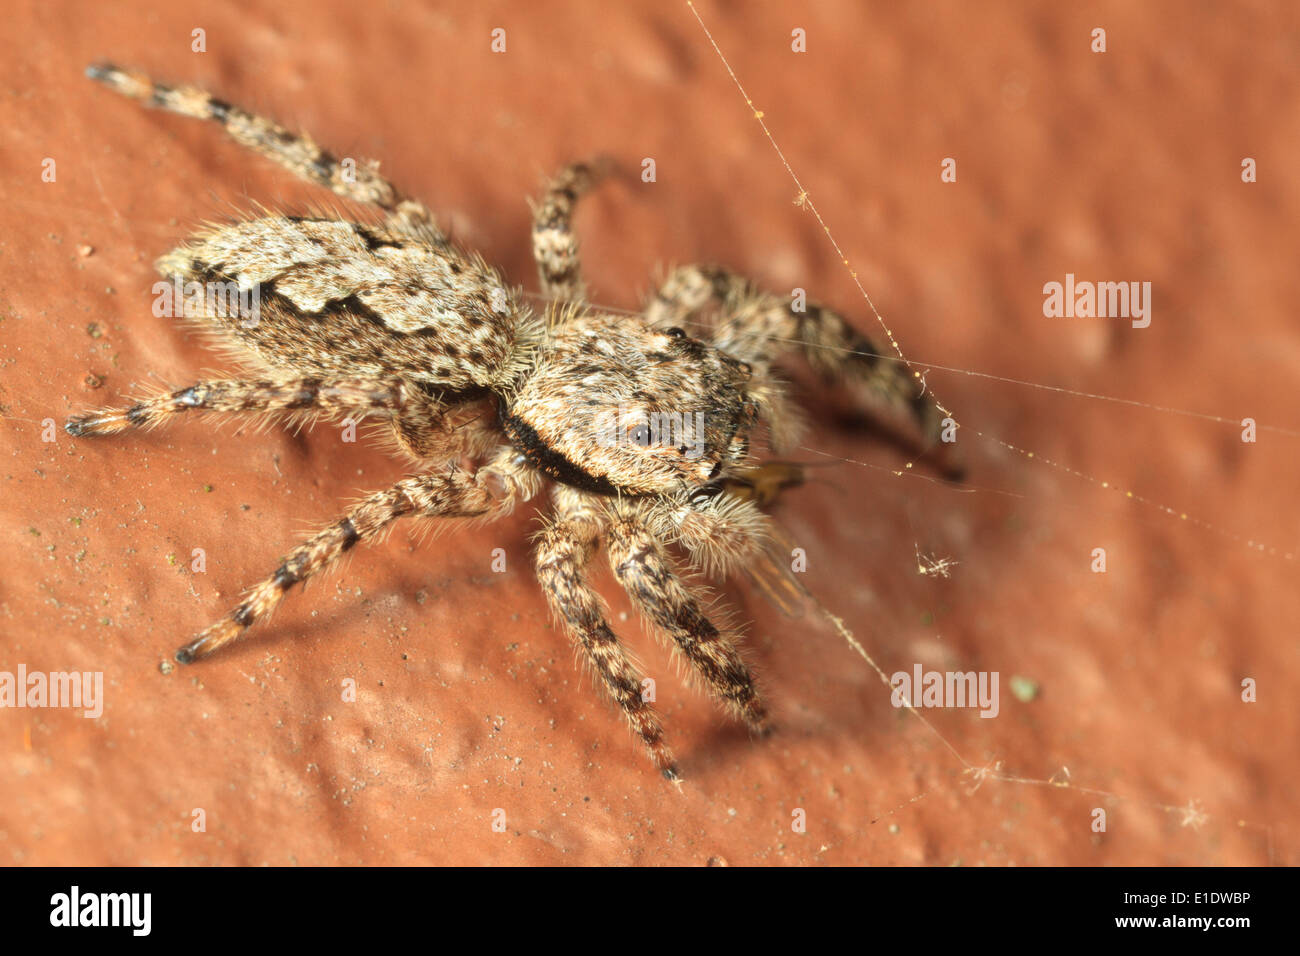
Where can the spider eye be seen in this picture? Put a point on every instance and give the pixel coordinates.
(676, 332)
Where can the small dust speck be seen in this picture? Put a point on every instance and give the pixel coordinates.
(166, 667)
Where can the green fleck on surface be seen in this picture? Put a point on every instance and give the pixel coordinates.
(1024, 689)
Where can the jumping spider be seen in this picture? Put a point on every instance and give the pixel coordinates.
(392, 320)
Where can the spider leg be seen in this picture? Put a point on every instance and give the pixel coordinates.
(563, 552)
(430, 429)
(686, 291)
(238, 395)
(554, 245)
(424, 426)
(643, 568)
(358, 180)
(487, 494)
(758, 326)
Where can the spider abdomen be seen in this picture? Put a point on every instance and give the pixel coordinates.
(329, 297)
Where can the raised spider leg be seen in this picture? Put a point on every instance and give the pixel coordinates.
(758, 326)
(643, 568)
(563, 551)
(455, 495)
(554, 245)
(419, 421)
(359, 181)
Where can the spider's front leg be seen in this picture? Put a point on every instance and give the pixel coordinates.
(563, 551)
(358, 180)
(758, 326)
(489, 493)
(554, 245)
(643, 568)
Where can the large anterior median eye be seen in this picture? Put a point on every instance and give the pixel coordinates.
(675, 332)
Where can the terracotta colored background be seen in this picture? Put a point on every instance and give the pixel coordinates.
(1122, 166)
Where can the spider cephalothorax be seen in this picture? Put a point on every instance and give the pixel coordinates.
(641, 430)
(613, 406)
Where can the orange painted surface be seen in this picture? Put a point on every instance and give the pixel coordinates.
(1116, 166)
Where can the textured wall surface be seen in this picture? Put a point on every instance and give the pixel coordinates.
(1123, 165)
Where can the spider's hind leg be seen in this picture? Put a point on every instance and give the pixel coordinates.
(357, 180)
(555, 248)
